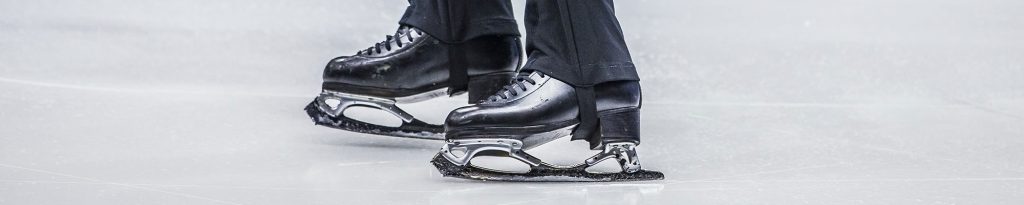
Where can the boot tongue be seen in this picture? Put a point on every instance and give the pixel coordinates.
(516, 86)
(403, 32)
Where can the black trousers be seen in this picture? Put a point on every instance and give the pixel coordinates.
(576, 41)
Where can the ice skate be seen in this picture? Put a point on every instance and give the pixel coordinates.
(535, 109)
(408, 67)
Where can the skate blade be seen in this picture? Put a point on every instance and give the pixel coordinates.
(413, 129)
(576, 174)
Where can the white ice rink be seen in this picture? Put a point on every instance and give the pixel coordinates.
(746, 102)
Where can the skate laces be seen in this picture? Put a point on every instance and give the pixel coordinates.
(517, 85)
(385, 45)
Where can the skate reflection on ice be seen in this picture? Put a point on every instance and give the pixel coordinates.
(544, 193)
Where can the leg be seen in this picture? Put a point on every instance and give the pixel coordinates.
(460, 20)
(577, 41)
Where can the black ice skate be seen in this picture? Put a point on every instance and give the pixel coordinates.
(409, 67)
(535, 109)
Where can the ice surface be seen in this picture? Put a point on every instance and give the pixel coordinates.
(746, 102)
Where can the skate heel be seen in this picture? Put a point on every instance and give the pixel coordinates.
(620, 125)
(620, 134)
(483, 86)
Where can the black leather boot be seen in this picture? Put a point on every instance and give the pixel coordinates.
(408, 67)
(535, 109)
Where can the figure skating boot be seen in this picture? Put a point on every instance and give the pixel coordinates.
(535, 109)
(409, 67)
